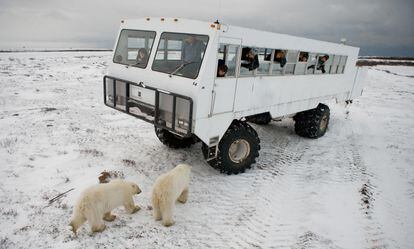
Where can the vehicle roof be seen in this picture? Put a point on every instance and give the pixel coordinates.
(265, 39)
(248, 36)
(171, 24)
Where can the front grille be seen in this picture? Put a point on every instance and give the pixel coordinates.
(164, 109)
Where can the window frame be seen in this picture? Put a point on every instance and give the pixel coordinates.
(166, 55)
(149, 53)
(273, 62)
(271, 71)
(343, 66)
(264, 62)
(226, 59)
(251, 73)
(304, 63)
(316, 71)
(334, 66)
(291, 63)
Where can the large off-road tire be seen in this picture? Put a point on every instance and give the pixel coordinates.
(173, 141)
(260, 119)
(237, 150)
(312, 123)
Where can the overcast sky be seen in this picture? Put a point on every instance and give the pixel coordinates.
(379, 27)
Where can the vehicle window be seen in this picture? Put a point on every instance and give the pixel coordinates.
(264, 61)
(311, 63)
(322, 66)
(159, 55)
(302, 62)
(227, 59)
(292, 58)
(249, 61)
(180, 54)
(279, 61)
(335, 63)
(342, 63)
(221, 57)
(134, 47)
(303, 57)
(174, 50)
(328, 63)
(231, 59)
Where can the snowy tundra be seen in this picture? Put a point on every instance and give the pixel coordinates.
(352, 188)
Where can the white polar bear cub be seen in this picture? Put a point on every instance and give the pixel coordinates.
(168, 188)
(97, 202)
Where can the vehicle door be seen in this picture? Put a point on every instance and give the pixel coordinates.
(225, 86)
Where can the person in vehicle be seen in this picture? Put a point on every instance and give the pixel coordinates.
(251, 59)
(192, 49)
(303, 57)
(222, 70)
(321, 63)
(142, 57)
(279, 57)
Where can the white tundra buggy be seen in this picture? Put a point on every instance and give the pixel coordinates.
(205, 81)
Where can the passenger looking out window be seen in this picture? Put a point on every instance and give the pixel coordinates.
(303, 56)
(221, 70)
(321, 63)
(250, 58)
(227, 56)
(280, 56)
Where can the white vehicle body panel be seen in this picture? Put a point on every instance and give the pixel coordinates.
(358, 86)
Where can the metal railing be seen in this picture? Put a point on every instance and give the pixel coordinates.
(150, 112)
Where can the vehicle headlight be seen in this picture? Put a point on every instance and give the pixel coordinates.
(182, 123)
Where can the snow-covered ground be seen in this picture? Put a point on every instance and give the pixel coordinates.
(352, 188)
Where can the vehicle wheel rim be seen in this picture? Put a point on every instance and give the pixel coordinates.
(239, 150)
(324, 123)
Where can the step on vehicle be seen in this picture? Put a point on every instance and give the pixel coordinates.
(205, 81)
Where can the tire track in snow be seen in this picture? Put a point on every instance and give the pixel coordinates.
(242, 200)
(410, 192)
(2, 101)
(375, 236)
(285, 211)
(303, 174)
(296, 196)
(347, 167)
(258, 219)
(371, 195)
(266, 226)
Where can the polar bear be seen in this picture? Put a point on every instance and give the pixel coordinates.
(168, 188)
(97, 202)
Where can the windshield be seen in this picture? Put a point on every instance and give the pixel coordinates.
(180, 54)
(134, 47)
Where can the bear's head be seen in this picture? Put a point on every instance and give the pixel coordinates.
(135, 189)
(184, 167)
